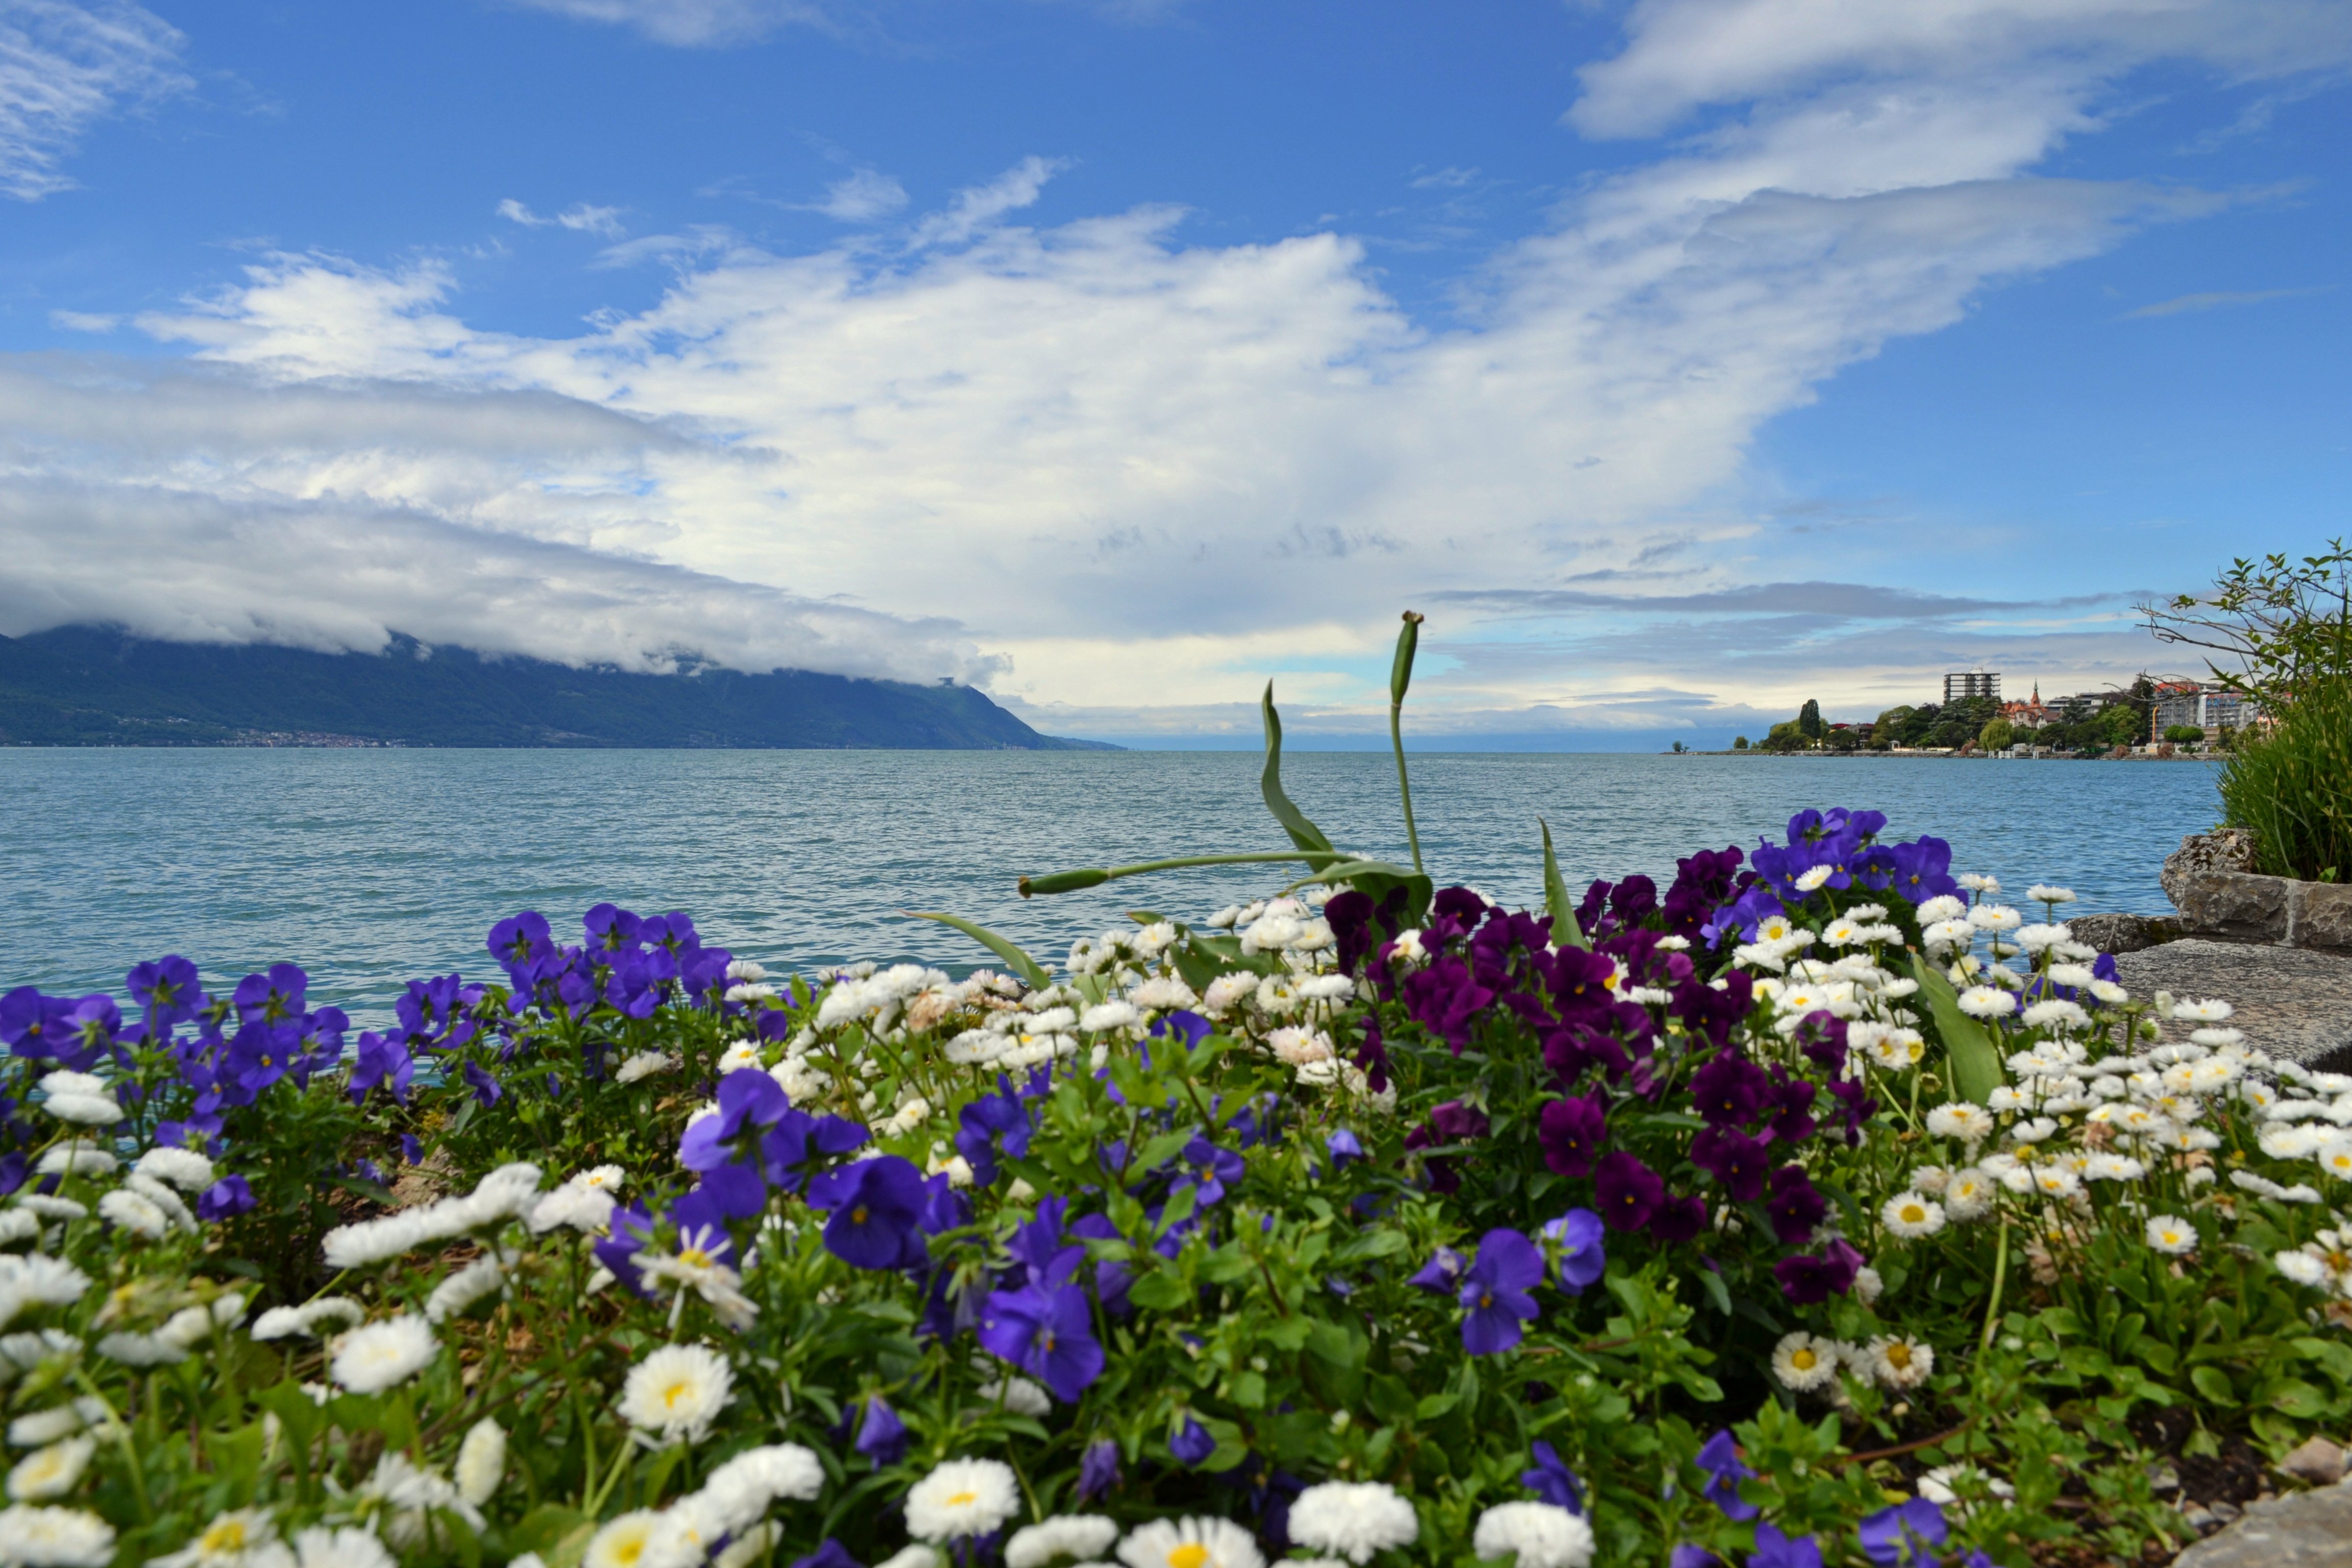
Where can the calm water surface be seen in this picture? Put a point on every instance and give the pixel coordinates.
(368, 868)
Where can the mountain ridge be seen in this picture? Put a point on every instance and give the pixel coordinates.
(102, 685)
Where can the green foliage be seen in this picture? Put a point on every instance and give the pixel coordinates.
(1739, 743)
(2291, 783)
(1997, 736)
(2279, 625)
(2183, 734)
(1809, 719)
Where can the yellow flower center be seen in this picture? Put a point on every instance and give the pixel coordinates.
(858, 1215)
(1898, 1356)
(676, 1392)
(695, 1257)
(1191, 1554)
(629, 1549)
(228, 1535)
(1803, 1359)
(963, 1500)
(1914, 1214)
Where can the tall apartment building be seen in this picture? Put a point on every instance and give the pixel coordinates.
(2208, 704)
(1962, 684)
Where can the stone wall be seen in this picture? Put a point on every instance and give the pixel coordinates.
(2212, 881)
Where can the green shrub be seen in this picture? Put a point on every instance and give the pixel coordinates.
(1997, 736)
(2293, 785)
(2183, 734)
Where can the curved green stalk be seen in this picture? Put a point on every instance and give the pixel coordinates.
(1095, 876)
(1399, 677)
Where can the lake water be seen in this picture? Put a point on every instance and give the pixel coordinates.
(369, 868)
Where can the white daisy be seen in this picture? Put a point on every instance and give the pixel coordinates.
(481, 1461)
(1534, 1534)
(1911, 1214)
(55, 1538)
(676, 1391)
(1076, 1536)
(1986, 1002)
(1969, 1124)
(184, 1168)
(2171, 1234)
(383, 1355)
(1353, 1520)
(1803, 1363)
(241, 1539)
(1899, 1361)
(961, 1500)
(51, 1471)
(1191, 1544)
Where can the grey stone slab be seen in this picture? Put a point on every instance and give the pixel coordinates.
(2323, 916)
(2292, 1001)
(2307, 1530)
(2121, 932)
(2236, 906)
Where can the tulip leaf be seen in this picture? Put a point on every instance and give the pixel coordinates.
(1303, 833)
(1976, 1061)
(1028, 968)
(1565, 932)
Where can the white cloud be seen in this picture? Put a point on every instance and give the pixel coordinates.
(604, 221)
(209, 507)
(2186, 304)
(65, 67)
(692, 23)
(863, 196)
(980, 206)
(1684, 55)
(1153, 472)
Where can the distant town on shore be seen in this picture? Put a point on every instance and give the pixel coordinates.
(2149, 718)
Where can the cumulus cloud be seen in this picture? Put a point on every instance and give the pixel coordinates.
(1148, 471)
(65, 67)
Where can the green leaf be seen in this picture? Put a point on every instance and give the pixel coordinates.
(1565, 932)
(1160, 1290)
(1976, 1061)
(1028, 968)
(1064, 881)
(2292, 1396)
(2213, 1384)
(1717, 1291)
(1303, 833)
(556, 1533)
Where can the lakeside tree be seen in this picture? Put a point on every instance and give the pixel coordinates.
(1998, 735)
(1809, 720)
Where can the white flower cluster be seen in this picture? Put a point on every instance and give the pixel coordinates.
(732, 1506)
(504, 1194)
(1808, 1364)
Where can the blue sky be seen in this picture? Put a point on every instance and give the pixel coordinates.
(1681, 360)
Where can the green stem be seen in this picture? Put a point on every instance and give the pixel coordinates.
(1404, 786)
(122, 1435)
(1999, 1278)
(1072, 881)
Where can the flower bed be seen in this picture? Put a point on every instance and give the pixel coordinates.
(1823, 1209)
